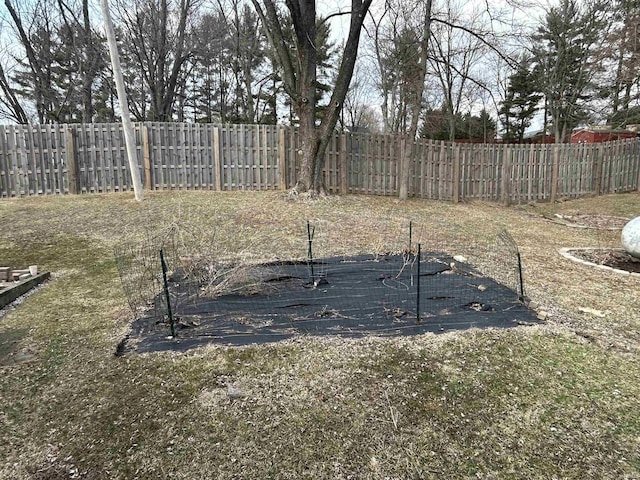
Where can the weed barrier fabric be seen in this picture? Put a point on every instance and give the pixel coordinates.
(352, 297)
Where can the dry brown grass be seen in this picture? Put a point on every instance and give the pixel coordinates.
(555, 400)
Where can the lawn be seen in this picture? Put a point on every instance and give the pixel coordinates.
(559, 400)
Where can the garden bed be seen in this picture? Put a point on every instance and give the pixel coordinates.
(9, 292)
(613, 259)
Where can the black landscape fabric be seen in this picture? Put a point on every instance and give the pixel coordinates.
(348, 296)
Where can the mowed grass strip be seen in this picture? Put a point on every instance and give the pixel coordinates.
(534, 402)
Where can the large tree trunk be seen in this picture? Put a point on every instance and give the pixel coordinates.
(309, 150)
(417, 87)
(305, 103)
(299, 78)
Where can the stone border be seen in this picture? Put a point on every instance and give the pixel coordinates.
(566, 253)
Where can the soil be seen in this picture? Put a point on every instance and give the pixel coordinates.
(617, 259)
(599, 222)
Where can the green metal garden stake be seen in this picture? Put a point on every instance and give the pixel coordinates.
(521, 279)
(166, 293)
(418, 287)
(310, 234)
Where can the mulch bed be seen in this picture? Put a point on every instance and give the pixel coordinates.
(617, 259)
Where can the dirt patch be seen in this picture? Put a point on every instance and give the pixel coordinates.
(598, 222)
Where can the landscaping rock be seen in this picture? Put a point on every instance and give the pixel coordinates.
(233, 392)
(631, 237)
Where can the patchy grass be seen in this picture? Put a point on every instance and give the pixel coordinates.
(559, 400)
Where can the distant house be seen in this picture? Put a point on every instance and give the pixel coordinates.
(490, 139)
(357, 129)
(538, 137)
(600, 134)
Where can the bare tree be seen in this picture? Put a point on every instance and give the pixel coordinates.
(157, 37)
(9, 100)
(299, 73)
(87, 47)
(356, 111)
(425, 53)
(401, 50)
(38, 65)
(454, 53)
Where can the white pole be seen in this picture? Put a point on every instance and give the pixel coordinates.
(122, 100)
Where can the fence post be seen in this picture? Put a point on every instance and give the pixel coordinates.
(344, 187)
(554, 172)
(456, 173)
(72, 161)
(146, 157)
(597, 169)
(282, 161)
(167, 296)
(637, 162)
(216, 158)
(506, 175)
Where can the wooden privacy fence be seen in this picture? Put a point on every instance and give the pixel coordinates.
(86, 158)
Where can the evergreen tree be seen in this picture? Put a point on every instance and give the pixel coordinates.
(520, 103)
(436, 125)
(563, 51)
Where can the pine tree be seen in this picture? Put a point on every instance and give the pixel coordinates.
(564, 53)
(520, 103)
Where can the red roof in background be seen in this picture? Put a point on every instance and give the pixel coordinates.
(591, 135)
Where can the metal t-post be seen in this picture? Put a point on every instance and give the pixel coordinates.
(166, 293)
(418, 320)
(310, 233)
(520, 277)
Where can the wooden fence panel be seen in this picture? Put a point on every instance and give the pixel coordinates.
(293, 160)
(521, 193)
(630, 166)
(478, 174)
(54, 160)
(372, 164)
(270, 140)
(354, 173)
(429, 153)
(84, 158)
(250, 157)
(419, 170)
(6, 184)
(33, 160)
(102, 159)
(575, 171)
